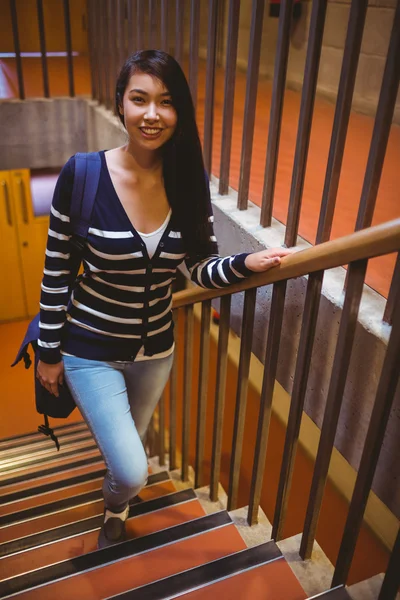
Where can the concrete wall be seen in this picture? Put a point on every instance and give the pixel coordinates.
(49, 131)
(41, 132)
(374, 47)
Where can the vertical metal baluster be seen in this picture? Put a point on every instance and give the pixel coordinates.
(202, 395)
(210, 83)
(303, 363)
(194, 49)
(222, 365)
(391, 580)
(264, 418)
(140, 25)
(68, 43)
(316, 32)
(229, 94)
(383, 121)
(187, 390)
(241, 395)
(164, 26)
(153, 43)
(161, 430)
(342, 112)
(381, 132)
(104, 53)
(387, 386)
(275, 120)
(110, 51)
(17, 48)
(98, 19)
(121, 34)
(92, 48)
(251, 101)
(43, 53)
(132, 41)
(358, 10)
(340, 368)
(394, 293)
(180, 27)
(173, 391)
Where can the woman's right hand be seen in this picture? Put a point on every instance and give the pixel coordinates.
(50, 376)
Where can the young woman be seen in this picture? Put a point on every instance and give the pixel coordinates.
(112, 340)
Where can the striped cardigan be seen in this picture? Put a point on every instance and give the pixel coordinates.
(122, 301)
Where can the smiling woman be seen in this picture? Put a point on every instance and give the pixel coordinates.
(112, 336)
(147, 107)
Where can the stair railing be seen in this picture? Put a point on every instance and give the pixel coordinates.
(353, 250)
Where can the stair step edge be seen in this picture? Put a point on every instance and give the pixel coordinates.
(100, 558)
(9, 469)
(205, 575)
(68, 503)
(70, 466)
(43, 446)
(39, 436)
(337, 593)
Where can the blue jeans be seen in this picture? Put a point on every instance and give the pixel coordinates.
(117, 401)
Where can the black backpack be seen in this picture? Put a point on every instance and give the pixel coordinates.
(86, 181)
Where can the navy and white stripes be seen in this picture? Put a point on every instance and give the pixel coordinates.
(122, 301)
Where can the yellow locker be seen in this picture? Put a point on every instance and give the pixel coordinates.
(13, 304)
(32, 235)
(23, 243)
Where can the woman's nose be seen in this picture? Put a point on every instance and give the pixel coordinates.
(151, 113)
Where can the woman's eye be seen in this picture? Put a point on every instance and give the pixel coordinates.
(137, 99)
(167, 102)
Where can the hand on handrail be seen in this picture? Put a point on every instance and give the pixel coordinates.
(266, 259)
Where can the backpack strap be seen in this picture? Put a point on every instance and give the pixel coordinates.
(86, 182)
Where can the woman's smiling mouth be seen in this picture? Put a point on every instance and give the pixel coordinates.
(151, 132)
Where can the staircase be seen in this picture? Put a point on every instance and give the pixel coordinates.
(179, 546)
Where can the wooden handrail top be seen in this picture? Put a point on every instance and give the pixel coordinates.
(367, 243)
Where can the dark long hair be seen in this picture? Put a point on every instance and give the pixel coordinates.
(183, 168)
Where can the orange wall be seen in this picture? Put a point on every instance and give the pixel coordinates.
(54, 25)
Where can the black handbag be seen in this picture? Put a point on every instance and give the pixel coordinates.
(86, 181)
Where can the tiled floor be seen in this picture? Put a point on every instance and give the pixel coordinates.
(354, 160)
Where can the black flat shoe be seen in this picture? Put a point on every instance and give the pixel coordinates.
(113, 530)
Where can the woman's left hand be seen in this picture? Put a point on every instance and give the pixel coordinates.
(266, 259)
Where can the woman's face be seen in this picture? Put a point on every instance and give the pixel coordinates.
(149, 116)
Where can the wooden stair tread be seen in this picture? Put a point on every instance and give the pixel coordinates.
(47, 456)
(39, 467)
(86, 525)
(87, 485)
(89, 505)
(44, 446)
(26, 479)
(223, 578)
(162, 513)
(130, 564)
(90, 479)
(272, 581)
(69, 501)
(36, 441)
(35, 436)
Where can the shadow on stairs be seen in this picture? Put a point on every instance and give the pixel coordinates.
(51, 512)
